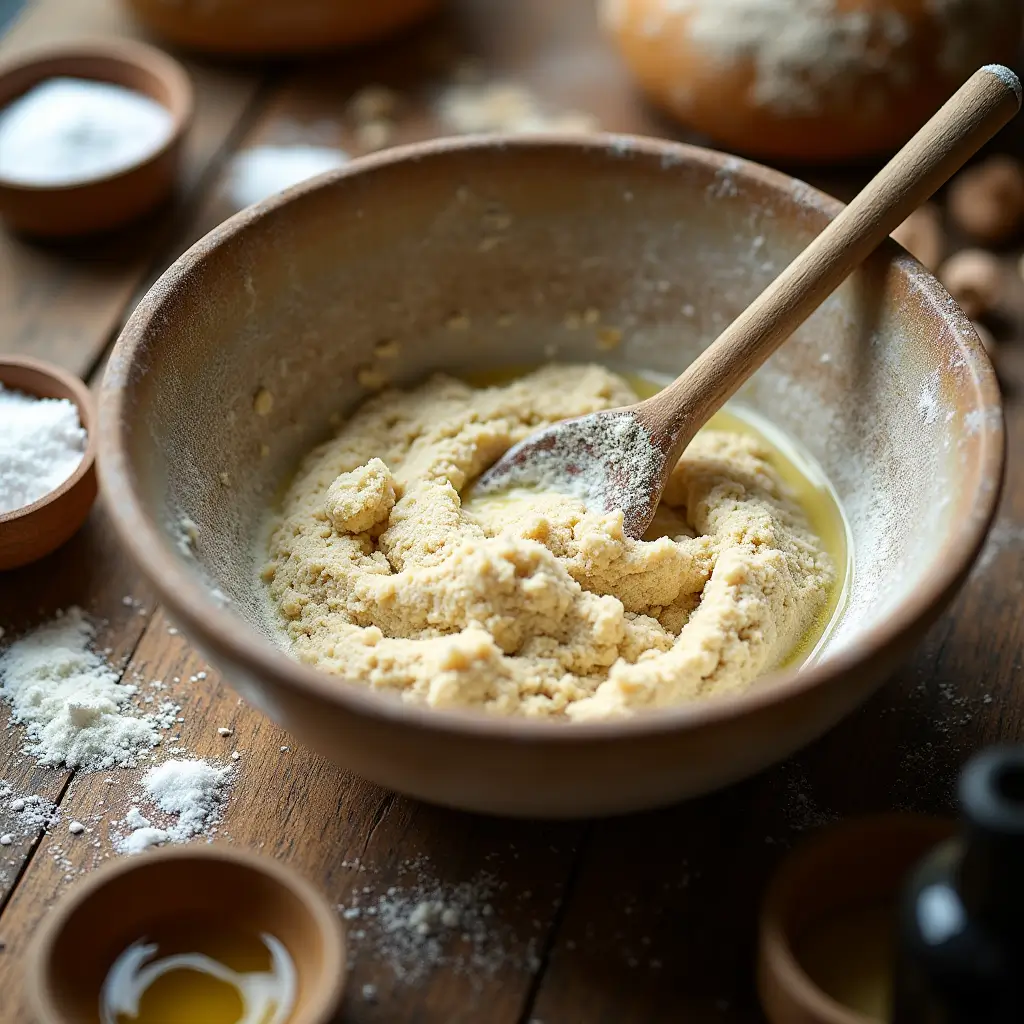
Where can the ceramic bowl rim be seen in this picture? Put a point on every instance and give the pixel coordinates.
(327, 922)
(217, 628)
(83, 400)
(114, 52)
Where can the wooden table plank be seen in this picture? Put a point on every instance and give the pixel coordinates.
(64, 301)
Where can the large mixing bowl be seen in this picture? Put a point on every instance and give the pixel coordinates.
(250, 345)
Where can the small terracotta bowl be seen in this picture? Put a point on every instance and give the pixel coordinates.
(99, 204)
(35, 530)
(135, 897)
(267, 27)
(852, 872)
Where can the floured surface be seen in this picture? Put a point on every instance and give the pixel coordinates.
(535, 606)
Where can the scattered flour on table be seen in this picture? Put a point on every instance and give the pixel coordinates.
(22, 816)
(70, 701)
(1005, 539)
(428, 924)
(42, 441)
(190, 793)
(504, 107)
(259, 172)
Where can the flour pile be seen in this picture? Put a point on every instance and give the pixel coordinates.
(69, 699)
(41, 444)
(192, 791)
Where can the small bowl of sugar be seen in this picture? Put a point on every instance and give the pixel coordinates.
(47, 458)
(90, 136)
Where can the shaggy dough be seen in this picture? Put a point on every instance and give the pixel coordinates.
(529, 604)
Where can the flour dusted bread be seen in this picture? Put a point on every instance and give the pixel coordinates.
(811, 80)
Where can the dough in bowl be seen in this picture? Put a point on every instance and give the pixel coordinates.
(385, 570)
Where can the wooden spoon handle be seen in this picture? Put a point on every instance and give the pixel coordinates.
(969, 119)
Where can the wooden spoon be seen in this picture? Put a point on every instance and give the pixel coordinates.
(622, 458)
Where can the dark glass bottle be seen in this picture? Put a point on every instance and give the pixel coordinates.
(961, 927)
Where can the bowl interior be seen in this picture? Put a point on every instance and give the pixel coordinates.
(152, 896)
(470, 256)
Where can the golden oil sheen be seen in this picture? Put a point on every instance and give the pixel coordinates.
(200, 971)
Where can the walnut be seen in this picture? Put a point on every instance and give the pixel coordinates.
(975, 279)
(987, 201)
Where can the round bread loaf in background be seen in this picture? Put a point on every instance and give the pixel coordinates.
(276, 26)
(814, 80)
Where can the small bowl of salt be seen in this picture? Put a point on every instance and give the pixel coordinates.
(90, 136)
(47, 458)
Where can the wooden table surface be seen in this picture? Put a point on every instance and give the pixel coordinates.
(646, 918)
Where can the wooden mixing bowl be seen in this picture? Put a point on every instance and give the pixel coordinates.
(247, 348)
(108, 201)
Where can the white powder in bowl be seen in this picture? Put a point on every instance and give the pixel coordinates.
(65, 131)
(42, 441)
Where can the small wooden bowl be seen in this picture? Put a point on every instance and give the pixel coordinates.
(269, 27)
(99, 204)
(35, 530)
(849, 867)
(126, 899)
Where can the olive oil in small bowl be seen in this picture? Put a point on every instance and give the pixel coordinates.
(200, 933)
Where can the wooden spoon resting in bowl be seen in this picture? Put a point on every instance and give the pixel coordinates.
(622, 458)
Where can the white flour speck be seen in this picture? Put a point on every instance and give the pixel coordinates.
(928, 402)
(430, 925)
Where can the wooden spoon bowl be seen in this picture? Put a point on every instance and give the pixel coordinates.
(30, 532)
